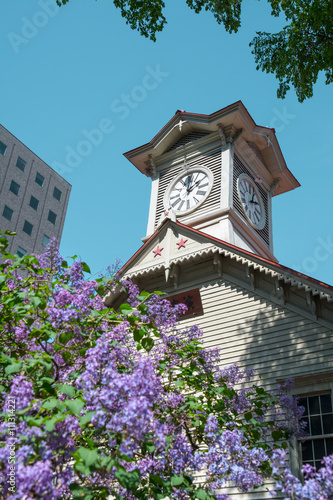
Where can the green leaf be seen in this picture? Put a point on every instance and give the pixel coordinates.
(88, 456)
(75, 405)
(138, 335)
(142, 296)
(86, 418)
(156, 479)
(66, 389)
(125, 309)
(48, 387)
(147, 343)
(3, 243)
(84, 469)
(65, 337)
(35, 301)
(14, 368)
(128, 480)
(49, 404)
(201, 494)
(276, 435)
(50, 423)
(85, 267)
(177, 480)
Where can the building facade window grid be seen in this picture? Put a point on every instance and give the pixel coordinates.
(16, 156)
(14, 188)
(20, 163)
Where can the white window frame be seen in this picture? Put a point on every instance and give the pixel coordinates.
(311, 385)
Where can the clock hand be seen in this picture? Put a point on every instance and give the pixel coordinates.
(192, 187)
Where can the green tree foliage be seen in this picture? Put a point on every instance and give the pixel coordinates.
(302, 49)
(296, 54)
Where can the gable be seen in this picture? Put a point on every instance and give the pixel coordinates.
(188, 138)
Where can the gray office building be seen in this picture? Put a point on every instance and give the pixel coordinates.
(33, 197)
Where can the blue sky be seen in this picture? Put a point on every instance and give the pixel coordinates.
(66, 71)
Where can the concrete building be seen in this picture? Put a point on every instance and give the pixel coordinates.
(33, 197)
(209, 245)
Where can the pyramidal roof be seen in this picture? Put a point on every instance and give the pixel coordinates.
(232, 120)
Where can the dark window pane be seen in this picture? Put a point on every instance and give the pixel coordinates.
(34, 202)
(46, 240)
(318, 464)
(14, 187)
(307, 453)
(52, 217)
(329, 446)
(328, 424)
(20, 164)
(315, 425)
(20, 251)
(27, 227)
(307, 428)
(319, 448)
(326, 403)
(7, 213)
(314, 405)
(303, 402)
(40, 179)
(57, 194)
(3, 148)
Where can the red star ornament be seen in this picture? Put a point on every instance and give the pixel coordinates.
(157, 251)
(181, 243)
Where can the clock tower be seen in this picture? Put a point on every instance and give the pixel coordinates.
(216, 173)
(209, 246)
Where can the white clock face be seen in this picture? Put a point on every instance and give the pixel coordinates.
(189, 190)
(251, 201)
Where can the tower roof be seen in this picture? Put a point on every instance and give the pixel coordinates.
(232, 120)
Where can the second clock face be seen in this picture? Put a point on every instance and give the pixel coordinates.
(189, 190)
(251, 201)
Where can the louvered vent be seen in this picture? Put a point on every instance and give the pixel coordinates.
(239, 168)
(193, 136)
(211, 160)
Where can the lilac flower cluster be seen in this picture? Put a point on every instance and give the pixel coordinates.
(126, 403)
(317, 485)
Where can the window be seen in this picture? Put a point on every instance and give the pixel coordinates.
(57, 193)
(21, 163)
(27, 227)
(14, 187)
(3, 148)
(34, 202)
(7, 213)
(20, 251)
(39, 179)
(52, 217)
(318, 415)
(46, 240)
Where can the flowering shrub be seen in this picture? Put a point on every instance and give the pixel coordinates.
(97, 403)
